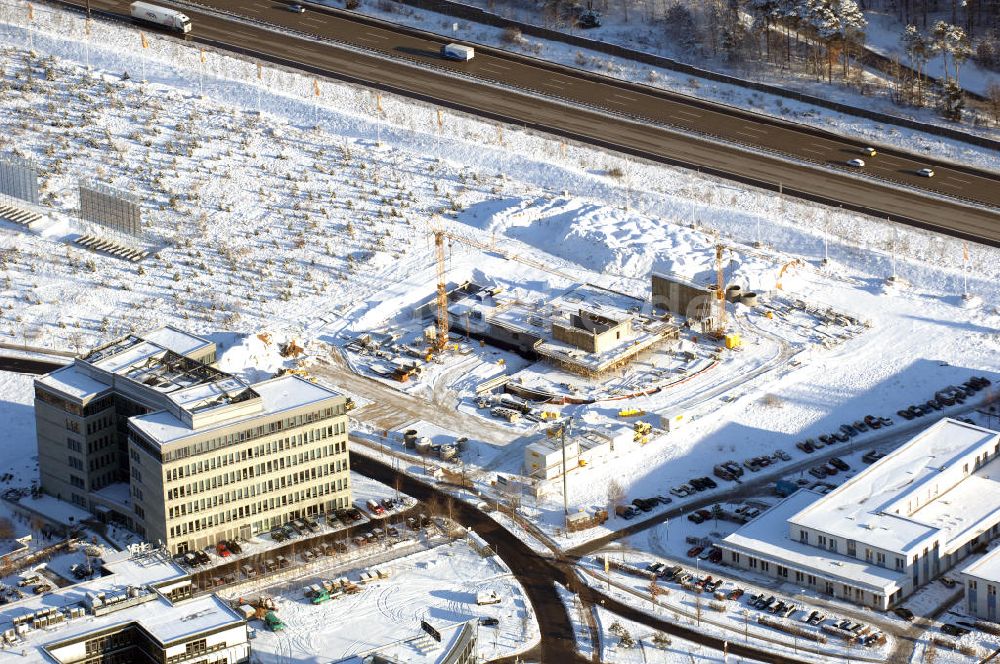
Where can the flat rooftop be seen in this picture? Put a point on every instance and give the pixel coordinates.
(163, 620)
(177, 340)
(766, 537)
(73, 383)
(872, 506)
(420, 649)
(986, 568)
(277, 394)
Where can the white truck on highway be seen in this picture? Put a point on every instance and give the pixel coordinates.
(161, 16)
(458, 52)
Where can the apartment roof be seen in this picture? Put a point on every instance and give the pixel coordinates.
(165, 621)
(277, 394)
(177, 340)
(986, 568)
(873, 506)
(72, 382)
(766, 537)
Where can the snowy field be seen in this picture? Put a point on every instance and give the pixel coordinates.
(438, 586)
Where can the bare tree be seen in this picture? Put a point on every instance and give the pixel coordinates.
(993, 100)
(616, 492)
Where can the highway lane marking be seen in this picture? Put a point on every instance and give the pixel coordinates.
(693, 115)
(945, 184)
(313, 20)
(814, 151)
(891, 162)
(743, 133)
(957, 179)
(376, 35)
(748, 128)
(497, 64)
(620, 103)
(624, 97)
(819, 145)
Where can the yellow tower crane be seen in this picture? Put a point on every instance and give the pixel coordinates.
(720, 293)
(442, 291)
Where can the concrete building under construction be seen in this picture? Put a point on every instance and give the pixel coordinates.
(587, 330)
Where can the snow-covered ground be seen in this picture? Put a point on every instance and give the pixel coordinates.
(438, 585)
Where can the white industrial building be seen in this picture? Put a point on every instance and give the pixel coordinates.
(888, 530)
(981, 580)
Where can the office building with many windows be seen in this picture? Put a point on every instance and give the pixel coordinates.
(147, 432)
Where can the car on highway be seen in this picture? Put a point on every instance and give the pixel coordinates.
(869, 151)
(856, 163)
(926, 172)
(296, 8)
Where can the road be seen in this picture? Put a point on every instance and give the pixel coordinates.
(605, 112)
(29, 365)
(538, 576)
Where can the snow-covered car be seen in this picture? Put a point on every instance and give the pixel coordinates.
(926, 172)
(856, 163)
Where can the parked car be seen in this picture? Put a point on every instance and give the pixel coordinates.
(694, 551)
(954, 630)
(278, 534)
(694, 517)
(903, 613)
(489, 622)
(831, 470)
(818, 472)
(234, 546)
(825, 439)
(839, 463)
(905, 414)
(716, 556)
(842, 437)
(202, 557)
(860, 426)
(805, 446)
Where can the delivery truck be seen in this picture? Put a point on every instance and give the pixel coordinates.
(161, 16)
(458, 52)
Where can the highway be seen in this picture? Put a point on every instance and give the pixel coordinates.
(617, 115)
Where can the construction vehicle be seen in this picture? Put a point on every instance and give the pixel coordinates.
(631, 412)
(321, 597)
(720, 293)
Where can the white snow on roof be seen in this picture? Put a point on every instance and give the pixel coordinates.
(177, 340)
(904, 500)
(128, 357)
(72, 383)
(986, 568)
(766, 537)
(162, 619)
(277, 395)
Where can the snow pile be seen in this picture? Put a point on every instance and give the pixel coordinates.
(255, 357)
(627, 243)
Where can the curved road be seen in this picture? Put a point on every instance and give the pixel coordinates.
(605, 112)
(538, 576)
